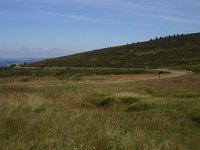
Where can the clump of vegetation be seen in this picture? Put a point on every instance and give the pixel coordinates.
(196, 117)
(141, 106)
(40, 109)
(187, 95)
(13, 65)
(104, 101)
(130, 103)
(129, 100)
(100, 101)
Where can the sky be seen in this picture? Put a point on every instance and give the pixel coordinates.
(52, 28)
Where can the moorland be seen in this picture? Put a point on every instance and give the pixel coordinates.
(106, 99)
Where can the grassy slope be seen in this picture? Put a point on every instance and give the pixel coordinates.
(181, 52)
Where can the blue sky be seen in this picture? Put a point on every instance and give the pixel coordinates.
(51, 28)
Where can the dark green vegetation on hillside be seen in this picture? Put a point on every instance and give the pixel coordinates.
(69, 72)
(182, 52)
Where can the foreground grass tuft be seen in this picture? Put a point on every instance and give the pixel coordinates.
(196, 118)
(129, 100)
(141, 106)
(195, 115)
(103, 101)
(187, 95)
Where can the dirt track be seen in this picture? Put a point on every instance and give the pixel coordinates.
(170, 74)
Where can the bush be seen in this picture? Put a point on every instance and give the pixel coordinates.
(13, 65)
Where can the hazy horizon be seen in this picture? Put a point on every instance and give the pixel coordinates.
(47, 28)
(10, 61)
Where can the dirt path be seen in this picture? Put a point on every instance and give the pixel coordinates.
(170, 74)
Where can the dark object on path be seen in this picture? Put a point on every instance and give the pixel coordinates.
(163, 72)
(159, 74)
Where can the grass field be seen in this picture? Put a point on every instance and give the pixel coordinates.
(96, 111)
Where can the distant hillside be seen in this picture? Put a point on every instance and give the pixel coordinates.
(178, 51)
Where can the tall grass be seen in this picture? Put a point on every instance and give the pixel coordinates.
(54, 117)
